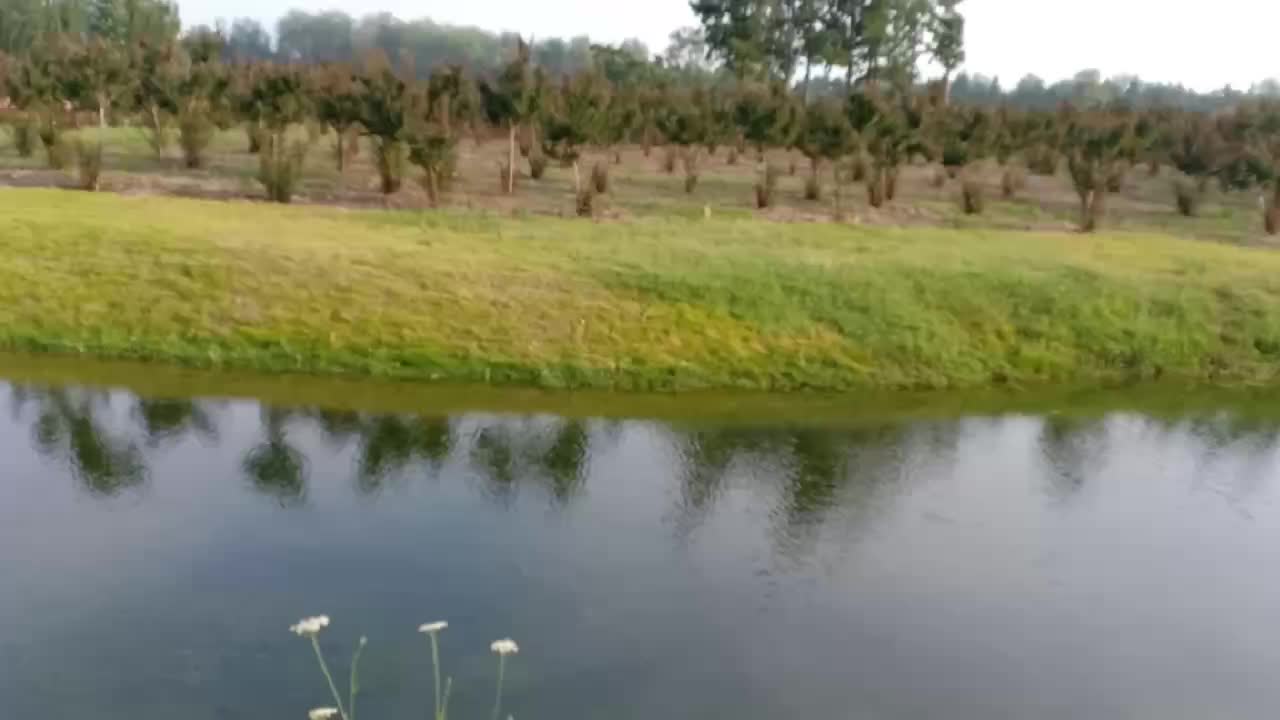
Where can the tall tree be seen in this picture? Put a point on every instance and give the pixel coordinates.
(847, 24)
(248, 41)
(687, 51)
(737, 33)
(947, 42)
(129, 21)
(322, 37)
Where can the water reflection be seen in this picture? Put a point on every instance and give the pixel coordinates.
(274, 467)
(550, 454)
(169, 421)
(811, 470)
(913, 569)
(1068, 445)
(73, 427)
(390, 446)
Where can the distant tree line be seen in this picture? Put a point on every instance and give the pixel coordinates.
(1088, 88)
(24, 22)
(322, 37)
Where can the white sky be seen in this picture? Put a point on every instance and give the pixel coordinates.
(1201, 45)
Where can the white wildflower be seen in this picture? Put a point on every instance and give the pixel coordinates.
(505, 646)
(309, 627)
(433, 628)
(323, 714)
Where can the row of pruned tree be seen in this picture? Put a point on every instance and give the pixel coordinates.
(185, 89)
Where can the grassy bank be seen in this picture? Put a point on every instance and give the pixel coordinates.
(648, 304)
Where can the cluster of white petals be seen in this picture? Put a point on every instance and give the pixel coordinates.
(323, 714)
(506, 646)
(310, 627)
(433, 628)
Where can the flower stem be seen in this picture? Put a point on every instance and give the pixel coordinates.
(435, 666)
(444, 704)
(497, 699)
(324, 668)
(355, 677)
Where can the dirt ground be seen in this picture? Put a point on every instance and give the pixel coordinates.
(639, 187)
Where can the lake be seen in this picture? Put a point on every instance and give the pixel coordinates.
(1104, 563)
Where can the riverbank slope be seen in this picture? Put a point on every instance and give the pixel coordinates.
(652, 304)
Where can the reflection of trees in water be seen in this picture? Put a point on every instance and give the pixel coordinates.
(69, 427)
(504, 453)
(812, 476)
(1227, 454)
(565, 457)
(815, 481)
(839, 474)
(493, 458)
(1068, 446)
(705, 456)
(1237, 455)
(171, 420)
(818, 467)
(391, 444)
(805, 467)
(338, 427)
(274, 467)
(549, 453)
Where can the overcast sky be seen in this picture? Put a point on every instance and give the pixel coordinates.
(1201, 45)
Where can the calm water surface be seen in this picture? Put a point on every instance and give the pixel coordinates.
(154, 553)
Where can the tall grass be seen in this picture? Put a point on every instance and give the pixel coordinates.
(646, 304)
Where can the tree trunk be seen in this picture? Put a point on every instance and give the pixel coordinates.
(342, 150)
(157, 131)
(511, 159)
(804, 90)
(1271, 212)
(835, 172)
(433, 187)
(946, 88)
(1092, 206)
(875, 187)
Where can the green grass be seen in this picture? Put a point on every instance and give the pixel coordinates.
(650, 304)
